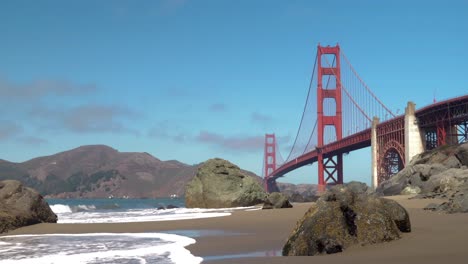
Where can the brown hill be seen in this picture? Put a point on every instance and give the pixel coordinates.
(100, 171)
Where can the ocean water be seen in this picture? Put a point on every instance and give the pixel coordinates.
(130, 248)
(74, 211)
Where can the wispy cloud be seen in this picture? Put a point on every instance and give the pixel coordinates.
(31, 140)
(239, 143)
(91, 118)
(38, 89)
(9, 129)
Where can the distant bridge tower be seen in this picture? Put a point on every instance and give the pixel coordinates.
(330, 168)
(269, 160)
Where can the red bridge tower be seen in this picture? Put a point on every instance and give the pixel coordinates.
(269, 162)
(330, 169)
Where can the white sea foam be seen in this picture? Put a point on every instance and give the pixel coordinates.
(63, 208)
(139, 215)
(60, 208)
(98, 248)
(254, 209)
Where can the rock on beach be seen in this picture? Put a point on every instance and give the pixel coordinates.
(220, 184)
(346, 215)
(22, 206)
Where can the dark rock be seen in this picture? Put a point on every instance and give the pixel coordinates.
(357, 187)
(458, 203)
(297, 198)
(343, 216)
(302, 198)
(221, 184)
(161, 208)
(399, 215)
(462, 154)
(276, 200)
(446, 181)
(452, 162)
(22, 206)
(395, 184)
(307, 191)
(432, 207)
(171, 206)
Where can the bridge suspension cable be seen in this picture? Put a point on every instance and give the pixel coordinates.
(299, 147)
(359, 106)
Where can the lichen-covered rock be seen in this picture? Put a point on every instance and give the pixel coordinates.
(221, 184)
(22, 206)
(276, 200)
(345, 216)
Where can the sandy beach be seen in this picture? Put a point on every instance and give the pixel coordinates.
(258, 236)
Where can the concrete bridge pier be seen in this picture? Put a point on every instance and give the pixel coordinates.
(413, 142)
(413, 136)
(374, 153)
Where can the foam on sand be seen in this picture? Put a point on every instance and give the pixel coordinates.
(97, 248)
(68, 215)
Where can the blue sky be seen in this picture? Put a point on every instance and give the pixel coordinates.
(191, 80)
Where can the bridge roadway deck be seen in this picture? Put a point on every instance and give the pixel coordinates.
(353, 142)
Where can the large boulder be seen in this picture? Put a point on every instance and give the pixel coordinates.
(344, 216)
(221, 184)
(22, 206)
(441, 171)
(276, 200)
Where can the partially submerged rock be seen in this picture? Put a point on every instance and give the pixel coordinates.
(22, 206)
(276, 200)
(343, 216)
(221, 184)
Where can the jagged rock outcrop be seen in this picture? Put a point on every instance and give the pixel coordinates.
(221, 184)
(343, 216)
(457, 202)
(22, 206)
(276, 200)
(437, 173)
(298, 192)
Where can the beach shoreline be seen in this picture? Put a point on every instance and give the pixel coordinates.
(258, 236)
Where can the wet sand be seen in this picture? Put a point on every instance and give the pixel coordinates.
(435, 237)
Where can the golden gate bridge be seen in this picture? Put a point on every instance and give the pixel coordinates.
(344, 115)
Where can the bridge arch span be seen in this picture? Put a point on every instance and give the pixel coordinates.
(392, 159)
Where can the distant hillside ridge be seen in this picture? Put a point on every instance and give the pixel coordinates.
(100, 171)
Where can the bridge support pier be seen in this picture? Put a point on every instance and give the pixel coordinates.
(374, 153)
(330, 171)
(413, 138)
